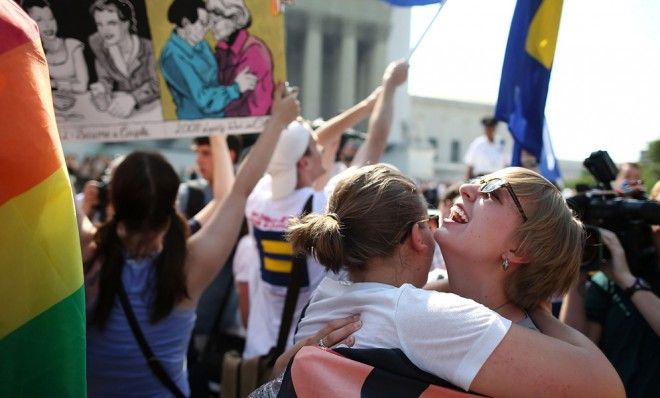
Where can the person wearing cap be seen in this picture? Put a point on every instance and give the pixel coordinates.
(283, 193)
(485, 155)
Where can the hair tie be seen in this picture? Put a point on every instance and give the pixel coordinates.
(334, 216)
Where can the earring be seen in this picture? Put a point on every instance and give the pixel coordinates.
(505, 264)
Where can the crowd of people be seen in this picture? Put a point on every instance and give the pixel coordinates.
(361, 241)
(212, 258)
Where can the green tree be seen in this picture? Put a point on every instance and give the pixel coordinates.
(651, 164)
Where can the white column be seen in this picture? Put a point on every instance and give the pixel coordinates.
(312, 64)
(347, 77)
(378, 57)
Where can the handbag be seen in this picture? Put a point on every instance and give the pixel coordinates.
(153, 362)
(242, 376)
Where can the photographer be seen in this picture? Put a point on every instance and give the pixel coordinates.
(621, 313)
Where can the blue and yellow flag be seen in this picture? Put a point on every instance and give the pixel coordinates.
(525, 77)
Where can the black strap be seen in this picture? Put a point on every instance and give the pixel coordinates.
(297, 275)
(152, 360)
(195, 198)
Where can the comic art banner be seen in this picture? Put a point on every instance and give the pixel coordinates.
(145, 69)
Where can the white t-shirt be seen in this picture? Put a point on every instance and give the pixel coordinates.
(485, 156)
(442, 333)
(267, 302)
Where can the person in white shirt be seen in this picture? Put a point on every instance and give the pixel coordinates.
(485, 154)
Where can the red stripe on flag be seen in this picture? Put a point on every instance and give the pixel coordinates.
(15, 27)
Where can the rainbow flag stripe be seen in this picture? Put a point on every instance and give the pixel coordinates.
(42, 301)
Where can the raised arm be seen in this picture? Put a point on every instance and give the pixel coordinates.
(332, 129)
(223, 177)
(329, 134)
(530, 364)
(209, 249)
(381, 118)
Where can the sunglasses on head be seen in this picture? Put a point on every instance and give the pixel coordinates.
(433, 222)
(496, 183)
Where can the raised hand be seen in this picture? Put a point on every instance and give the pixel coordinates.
(285, 106)
(396, 73)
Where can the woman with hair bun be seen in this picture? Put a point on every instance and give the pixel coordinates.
(377, 229)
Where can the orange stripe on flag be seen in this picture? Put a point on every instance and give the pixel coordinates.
(28, 134)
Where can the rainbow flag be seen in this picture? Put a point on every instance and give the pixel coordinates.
(42, 301)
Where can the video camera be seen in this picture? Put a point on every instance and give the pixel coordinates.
(630, 219)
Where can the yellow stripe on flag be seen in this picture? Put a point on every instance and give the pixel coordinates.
(40, 251)
(277, 247)
(272, 265)
(542, 33)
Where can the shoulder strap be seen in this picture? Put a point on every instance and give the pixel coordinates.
(297, 274)
(152, 360)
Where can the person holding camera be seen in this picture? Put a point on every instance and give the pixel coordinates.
(620, 311)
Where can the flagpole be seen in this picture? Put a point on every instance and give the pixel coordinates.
(441, 4)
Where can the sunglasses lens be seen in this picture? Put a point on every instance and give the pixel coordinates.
(491, 185)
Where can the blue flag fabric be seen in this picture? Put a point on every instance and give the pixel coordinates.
(525, 78)
(408, 3)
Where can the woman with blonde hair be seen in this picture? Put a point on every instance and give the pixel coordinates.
(377, 229)
(542, 243)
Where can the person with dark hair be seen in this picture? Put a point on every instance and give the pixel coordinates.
(485, 154)
(238, 50)
(66, 63)
(124, 61)
(190, 69)
(143, 259)
(377, 229)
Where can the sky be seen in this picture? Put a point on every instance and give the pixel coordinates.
(604, 89)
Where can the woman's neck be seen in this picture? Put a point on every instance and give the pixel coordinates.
(53, 45)
(140, 244)
(484, 288)
(385, 270)
(126, 45)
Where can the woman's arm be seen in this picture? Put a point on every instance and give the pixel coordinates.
(209, 249)
(530, 364)
(79, 85)
(339, 331)
(332, 129)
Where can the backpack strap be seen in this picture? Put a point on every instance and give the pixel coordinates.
(292, 292)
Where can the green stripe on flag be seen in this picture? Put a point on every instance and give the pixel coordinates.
(46, 356)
